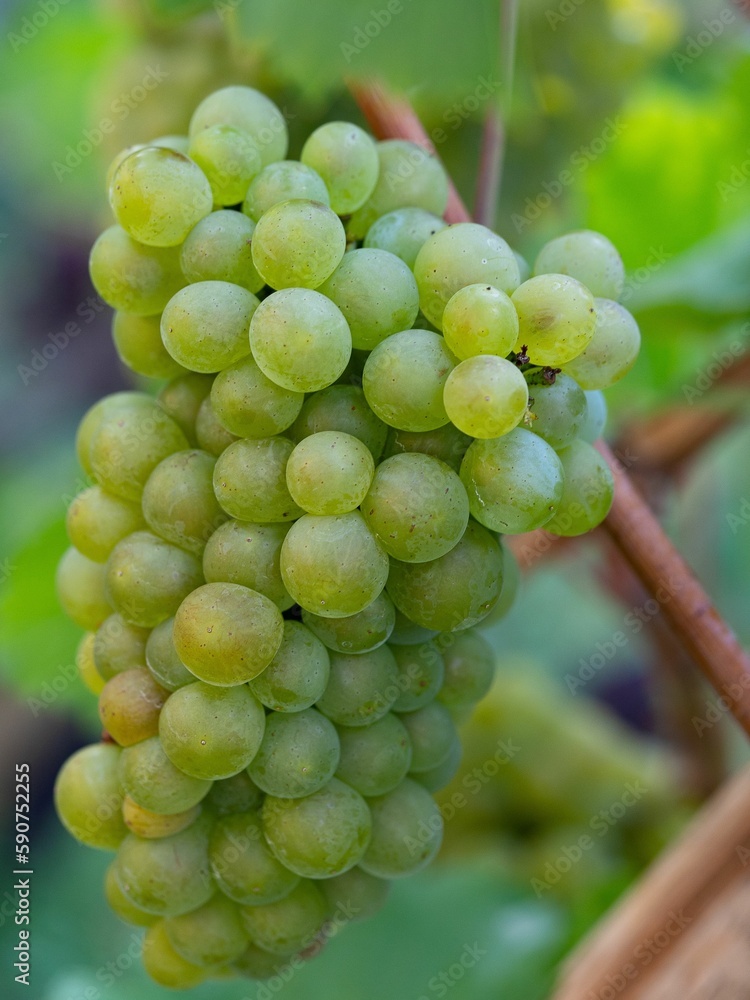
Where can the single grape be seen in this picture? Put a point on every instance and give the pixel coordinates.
(211, 435)
(229, 158)
(248, 110)
(361, 688)
(249, 404)
(255, 963)
(347, 159)
(407, 830)
(595, 418)
(283, 181)
(179, 502)
(162, 660)
(421, 672)
(182, 399)
(86, 665)
(250, 480)
(132, 277)
(213, 934)
(286, 926)
(587, 256)
(298, 244)
(96, 521)
(150, 825)
(358, 633)
(556, 318)
(205, 325)
(81, 590)
(480, 319)
(375, 758)
(432, 735)
(219, 248)
(341, 408)
(469, 666)
(299, 754)
(164, 965)
(129, 706)
(88, 797)
(119, 646)
(355, 894)
(588, 488)
(447, 443)
(611, 352)
(103, 410)
(486, 396)
(329, 473)
(297, 675)
(152, 781)
(247, 553)
(242, 863)
(239, 793)
(558, 410)
(138, 343)
(403, 232)
(121, 905)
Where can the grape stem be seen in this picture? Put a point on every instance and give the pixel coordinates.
(630, 523)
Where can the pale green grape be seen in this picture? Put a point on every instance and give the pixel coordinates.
(515, 483)
(587, 256)
(406, 633)
(129, 706)
(558, 410)
(403, 232)
(595, 417)
(179, 502)
(103, 410)
(121, 905)
(164, 965)
(152, 781)
(556, 318)
(347, 159)
(158, 195)
(205, 325)
(123, 155)
(88, 797)
(211, 435)
(460, 255)
(81, 589)
(376, 758)
(150, 825)
(437, 778)
(229, 158)
(404, 377)
(138, 342)
(329, 473)
(341, 408)
(356, 894)
(133, 277)
(469, 666)
(587, 493)
(407, 830)
(299, 754)
(147, 578)
(89, 675)
(249, 404)
(162, 659)
(250, 480)
(297, 676)
(611, 352)
(248, 554)
(234, 795)
(226, 633)
(361, 688)
(455, 591)
(376, 292)
(486, 396)
(182, 399)
(298, 244)
(432, 735)
(96, 521)
(480, 319)
(251, 112)
(219, 248)
(213, 934)
(421, 672)
(210, 732)
(119, 646)
(333, 565)
(417, 507)
(300, 339)
(447, 443)
(283, 181)
(291, 923)
(242, 863)
(320, 835)
(358, 633)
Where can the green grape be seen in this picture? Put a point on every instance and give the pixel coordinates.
(515, 483)
(417, 507)
(129, 444)
(283, 181)
(611, 352)
(595, 417)
(361, 688)
(248, 554)
(558, 410)
(437, 778)
(250, 480)
(211, 435)
(119, 646)
(347, 159)
(404, 377)
(162, 659)
(486, 396)
(129, 706)
(179, 502)
(249, 404)
(233, 795)
(403, 232)
(88, 797)
(320, 835)
(460, 255)
(469, 667)
(509, 592)
(168, 876)
(256, 963)
(556, 318)
(300, 339)
(251, 112)
(152, 781)
(139, 345)
(86, 665)
(226, 633)
(341, 408)
(218, 248)
(455, 591)
(588, 488)
(205, 325)
(164, 965)
(119, 158)
(210, 732)
(333, 565)
(480, 319)
(158, 195)
(406, 633)
(432, 734)
(147, 578)
(446, 443)
(150, 825)
(96, 521)
(229, 158)
(297, 244)
(587, 256)
(182, 399)
(299, 754)
(297, 676)
(356, 894)
(358, 633)
(376, 292)
(407, 830)
(81, 590)
(290, 924)
(242, 863)
(121, 905)
(329, 473)
(408, 176)
(103, 410)
(376, 758)
(421, 672)
(133, 277)
(213, 934)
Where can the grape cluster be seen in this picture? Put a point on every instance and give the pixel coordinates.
(283, 554)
